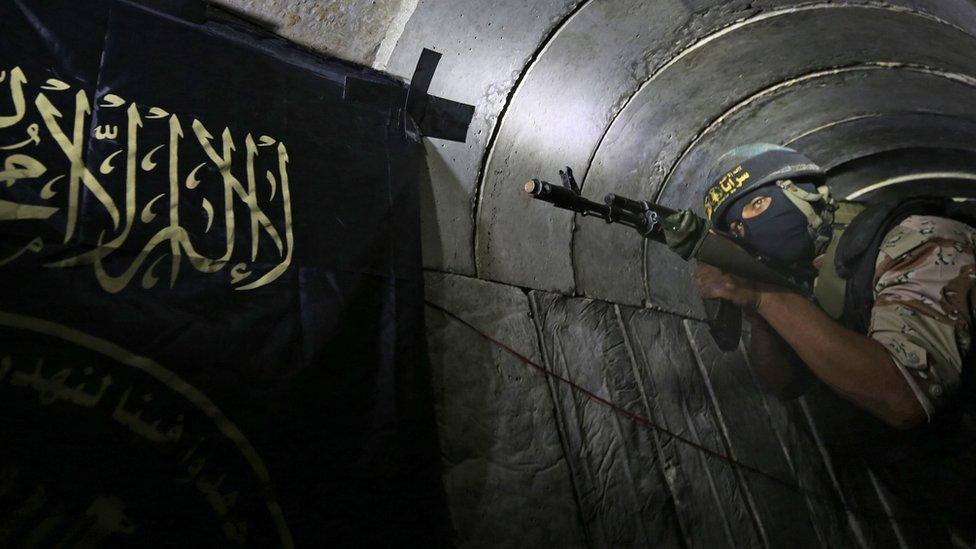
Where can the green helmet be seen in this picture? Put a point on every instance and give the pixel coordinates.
(746, 168)
(749, 167)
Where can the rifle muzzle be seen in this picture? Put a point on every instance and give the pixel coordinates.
(550, 193)
(561, 197)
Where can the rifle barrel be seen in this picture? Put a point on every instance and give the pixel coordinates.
(616, 209)
(564, 198)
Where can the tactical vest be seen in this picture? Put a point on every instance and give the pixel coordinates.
(845, 282)
(933, 466)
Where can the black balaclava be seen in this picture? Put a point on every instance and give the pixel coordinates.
(780, 233)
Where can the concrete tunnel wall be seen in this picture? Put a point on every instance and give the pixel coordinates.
(639, 96)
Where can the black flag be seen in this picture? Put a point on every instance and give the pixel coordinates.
(210, 289)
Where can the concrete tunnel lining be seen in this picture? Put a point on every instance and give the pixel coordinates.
(485, 55)
(956, 184)
(659, 370)
(877, 132)
(771, 93)
(781, 111)
(600, 276)
(907, 172)
(548, 265)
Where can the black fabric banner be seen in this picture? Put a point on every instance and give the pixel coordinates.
(210, 312)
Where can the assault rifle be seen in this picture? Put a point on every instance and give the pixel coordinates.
(684, 233)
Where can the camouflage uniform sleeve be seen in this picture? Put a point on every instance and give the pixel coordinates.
(924, 289)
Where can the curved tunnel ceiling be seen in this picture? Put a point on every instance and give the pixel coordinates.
(907, 172)
(640, 97)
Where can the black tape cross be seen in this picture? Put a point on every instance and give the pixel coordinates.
(428, 115)
(435, 116)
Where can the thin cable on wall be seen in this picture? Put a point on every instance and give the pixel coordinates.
(641, 420)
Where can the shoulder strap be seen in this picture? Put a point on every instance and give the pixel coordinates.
(857, 250)
(829, 288)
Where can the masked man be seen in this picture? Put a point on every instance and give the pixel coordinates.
(888, 327)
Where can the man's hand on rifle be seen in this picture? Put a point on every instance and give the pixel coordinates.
(715, 283)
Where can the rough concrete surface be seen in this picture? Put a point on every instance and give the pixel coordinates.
(502, 457)
(710, 500)
(783, 512)
(486, 47)
(896, 172)
(617, 470)
(353, 30)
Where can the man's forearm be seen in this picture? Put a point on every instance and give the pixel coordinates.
(856, 366)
